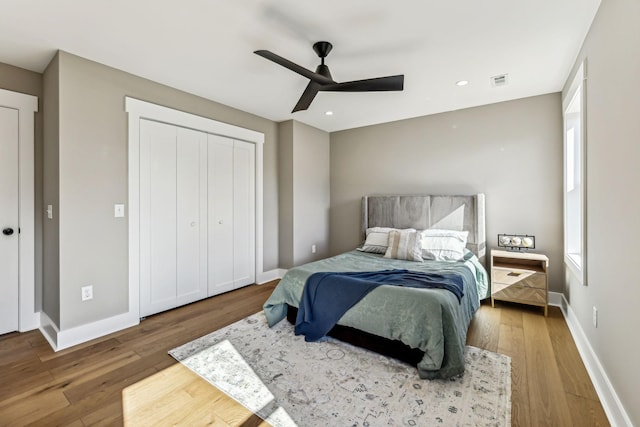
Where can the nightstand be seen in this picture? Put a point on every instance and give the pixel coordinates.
(519, 277)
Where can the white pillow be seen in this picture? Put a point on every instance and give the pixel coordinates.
(443, 245)
(377, 240)
(405, 244)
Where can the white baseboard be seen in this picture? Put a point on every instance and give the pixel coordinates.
(59, 340)
(268, 276)
(555, 298)
(49, 330)
(607, 394)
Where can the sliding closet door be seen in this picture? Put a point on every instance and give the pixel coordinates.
(173, 227)
(231, 214)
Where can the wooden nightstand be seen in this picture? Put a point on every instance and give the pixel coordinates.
(519, 277)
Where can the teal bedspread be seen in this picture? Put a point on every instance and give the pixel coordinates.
(431, 320)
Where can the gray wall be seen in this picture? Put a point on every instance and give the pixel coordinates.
(51, 193)
(612, 49)
(93, 176)
(285, 193)
(24, 81)
(304, 193)
(511, 152)
(311, 193)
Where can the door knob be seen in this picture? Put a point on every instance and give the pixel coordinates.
(7, 231)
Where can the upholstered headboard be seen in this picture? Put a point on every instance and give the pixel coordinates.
(422, 212)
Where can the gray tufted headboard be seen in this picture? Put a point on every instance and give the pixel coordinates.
(422, 212)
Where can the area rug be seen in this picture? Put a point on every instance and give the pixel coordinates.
(290, 382)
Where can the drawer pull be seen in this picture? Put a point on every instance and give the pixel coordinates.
(514, 274)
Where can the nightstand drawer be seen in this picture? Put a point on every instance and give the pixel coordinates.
(519, 293)
(524, 278)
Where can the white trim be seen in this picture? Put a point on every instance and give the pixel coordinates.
(576, 270)
(259, 208)
(83, 333)
(555, 298)
(27, 106)
(137, 110)
(608, 397)
(578, 83)
(59, 340)
(147, 110)
(49, 330)
(268, 276)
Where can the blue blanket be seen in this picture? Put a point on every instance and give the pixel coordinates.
(328, 295)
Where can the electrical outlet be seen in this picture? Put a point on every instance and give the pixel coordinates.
(595, 317)
(87, 293)
(313, 249)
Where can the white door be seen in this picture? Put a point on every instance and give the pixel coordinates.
(173, 216)
(244, 220)
(231, 214)
(9, 199)
(221, 250)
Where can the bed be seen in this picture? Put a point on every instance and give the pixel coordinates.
(427, 327)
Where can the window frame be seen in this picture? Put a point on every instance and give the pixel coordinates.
(578, 84)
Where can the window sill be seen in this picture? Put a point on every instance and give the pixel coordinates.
(574, 264)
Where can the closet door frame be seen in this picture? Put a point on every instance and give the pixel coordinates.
(138, 110)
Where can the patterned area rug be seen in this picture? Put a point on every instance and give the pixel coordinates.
(289, 382)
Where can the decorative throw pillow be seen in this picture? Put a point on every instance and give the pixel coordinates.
(444, 245)
(377, 240)
(405, 244)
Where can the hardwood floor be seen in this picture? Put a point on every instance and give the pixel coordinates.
(82, 386)
(549, 383)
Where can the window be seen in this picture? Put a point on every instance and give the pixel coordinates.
(574, 176)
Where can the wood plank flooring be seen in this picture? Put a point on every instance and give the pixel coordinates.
(549, 383)
(82, 386)
(178, 396)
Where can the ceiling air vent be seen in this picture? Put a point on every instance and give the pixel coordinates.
(501, 80)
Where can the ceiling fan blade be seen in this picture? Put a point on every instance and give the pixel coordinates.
(309, 93)
(379, 84)
(318, 78)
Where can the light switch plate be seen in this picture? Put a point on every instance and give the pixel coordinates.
(50, 211)
(118, 211)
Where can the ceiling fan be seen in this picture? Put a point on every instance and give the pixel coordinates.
(321, 80)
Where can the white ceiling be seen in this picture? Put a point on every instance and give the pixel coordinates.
(205, 47)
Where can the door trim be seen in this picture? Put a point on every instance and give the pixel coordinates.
(27, 106)
(138, 109)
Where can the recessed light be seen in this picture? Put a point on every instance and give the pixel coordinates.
(462, 82)
(328, 113)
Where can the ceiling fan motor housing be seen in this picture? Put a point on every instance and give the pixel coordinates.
(324, 70)
(322, 49)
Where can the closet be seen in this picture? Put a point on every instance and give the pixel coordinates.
(197, 215)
